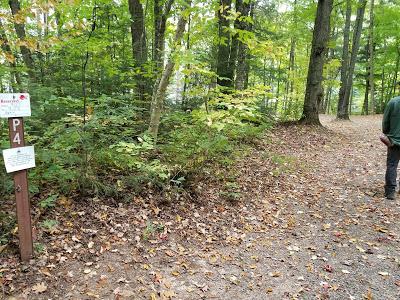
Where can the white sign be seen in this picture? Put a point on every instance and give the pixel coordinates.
(15, 105)
(17, 159)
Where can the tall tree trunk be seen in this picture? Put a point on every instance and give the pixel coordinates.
(371, 42)
(224, 46)
(344, 112)
(242, 68)
(344, 70)
(265, 99)
(16, 82)
(20, 31)
(365, 108)
(234, 45)
(186, 78)
(59, 24)
(327, 103)
(278, 86)
(351, 99)
(41, 35)
(314, 90)
(139, 47)
(291, 67)
(328, 94)
(162, 84)
(383, 78)
(290, 82)
(160, 25)
(392, 87)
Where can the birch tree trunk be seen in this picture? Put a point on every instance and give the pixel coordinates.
(162, 84)
(314, 91)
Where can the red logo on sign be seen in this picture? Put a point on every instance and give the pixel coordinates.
(22, 97)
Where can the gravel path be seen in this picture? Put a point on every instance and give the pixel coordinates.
(311, 223)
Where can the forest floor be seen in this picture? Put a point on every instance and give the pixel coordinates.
(311, 223)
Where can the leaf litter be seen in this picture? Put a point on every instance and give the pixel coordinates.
(311, 222)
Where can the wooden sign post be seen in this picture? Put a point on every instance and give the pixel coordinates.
(17, 160)
(17, 139)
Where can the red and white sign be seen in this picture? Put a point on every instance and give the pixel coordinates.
(15, 105)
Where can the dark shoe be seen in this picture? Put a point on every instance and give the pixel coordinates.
(391, 195)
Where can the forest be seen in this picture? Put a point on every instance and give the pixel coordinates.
(153, 100)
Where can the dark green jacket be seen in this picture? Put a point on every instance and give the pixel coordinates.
(391, 121)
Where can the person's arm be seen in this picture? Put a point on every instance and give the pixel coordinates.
(386, 118)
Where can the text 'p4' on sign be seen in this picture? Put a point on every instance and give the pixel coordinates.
(15, 105)
(17, 160)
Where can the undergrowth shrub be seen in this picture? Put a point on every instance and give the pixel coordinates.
(110, 153)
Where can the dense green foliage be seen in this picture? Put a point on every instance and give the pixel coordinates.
(91, 110)
(111, 153)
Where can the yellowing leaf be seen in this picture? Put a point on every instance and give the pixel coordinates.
(39, 288)
(175, 273)
(274, 274)
(153, 296)
(166, 295)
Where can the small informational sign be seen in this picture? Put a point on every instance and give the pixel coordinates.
(15, 105)
(17, 159)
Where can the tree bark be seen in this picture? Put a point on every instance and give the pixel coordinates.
(278, 86)
(327, 103)
(139, 47)
(344, 112)
(160, 22)
(324, 107)
(225, 77)
(20, 31)
(396, 71)
(314, 90)
(16, 82)
(371, 42)
(290, 82)
(365, 109)
(344, 70)
(184, 105)
(383, 78)
(242, 68)
(234, 45)
(162, 84)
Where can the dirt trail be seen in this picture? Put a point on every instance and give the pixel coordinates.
(311, 224)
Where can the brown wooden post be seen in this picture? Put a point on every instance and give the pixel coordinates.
(16, 129)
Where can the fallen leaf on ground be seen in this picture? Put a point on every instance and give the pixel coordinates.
(39, 288)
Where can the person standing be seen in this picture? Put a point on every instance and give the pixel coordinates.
(391, 130)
